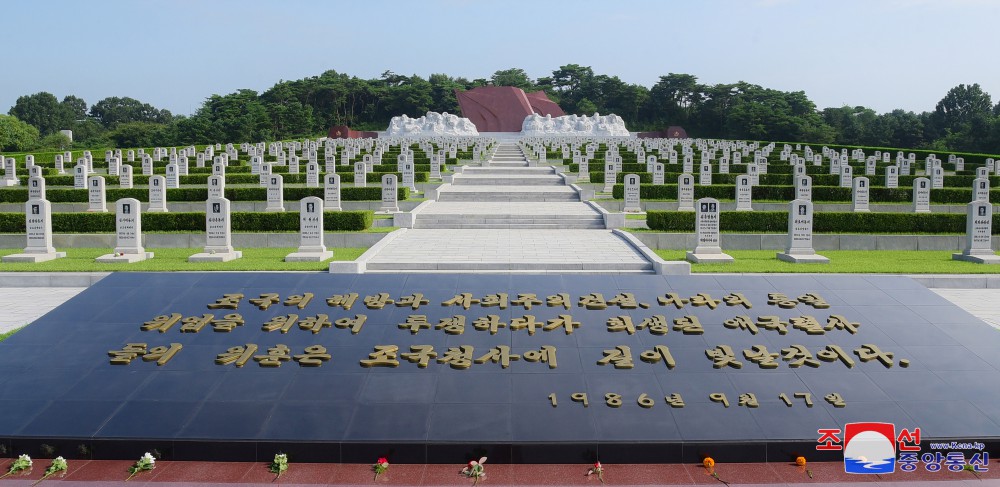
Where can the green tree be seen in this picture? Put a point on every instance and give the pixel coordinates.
(137, 134)
(16, 135)
(43, 111)
(515, 77)
(113, 110)
(56, 141)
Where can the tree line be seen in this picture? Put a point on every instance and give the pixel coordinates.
(965, 119)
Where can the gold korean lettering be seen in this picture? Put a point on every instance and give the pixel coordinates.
(345, 301)
(672, 299)
(527, 300)
(354, 324)
(414, 301)
(415, 323)
(457, 357)
(265, 301)
(127, 354)
(227, 301)
(161, 323)
(283, 323)
(797, 356)
(237, 356)
(378, 301)
(465, 300)
(489, 323)
(759, 355)
(383, 356)
(545, 355)
(499, 354)
(313, 356)
(737, 299)
(275, 356)
(300, 300)
(420, 355)
(620, 357)
(315, 323)
(227, 323)
(688, 325)
(658, 353)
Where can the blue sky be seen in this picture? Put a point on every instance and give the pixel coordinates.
(883, 54)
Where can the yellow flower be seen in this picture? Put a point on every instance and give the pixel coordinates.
(708, 462)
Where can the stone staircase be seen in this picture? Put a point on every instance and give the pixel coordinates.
(507, 216)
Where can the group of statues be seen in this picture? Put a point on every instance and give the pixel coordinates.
(599, 125)
(432, 123)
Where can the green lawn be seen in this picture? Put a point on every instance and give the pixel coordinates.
(254, 259)
(4, 335)
(844, 261)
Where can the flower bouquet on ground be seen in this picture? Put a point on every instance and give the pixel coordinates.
(22, 463)
(474, 470)
(58, 465)
(801, 462)
(145, 463)
(279, 465)
(380, 467)
(709, 464)
(597, 470)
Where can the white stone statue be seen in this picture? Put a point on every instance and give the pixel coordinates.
(596, 125)
(431, 124)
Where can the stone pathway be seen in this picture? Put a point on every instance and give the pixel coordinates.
(508, 216)
(22, 305)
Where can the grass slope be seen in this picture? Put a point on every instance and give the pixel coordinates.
(254, 259)
(843, 261)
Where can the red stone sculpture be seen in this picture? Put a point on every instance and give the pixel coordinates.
(345, 132)
(503, 108)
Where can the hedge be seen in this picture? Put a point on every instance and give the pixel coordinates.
(201, 194)
(823, 222)
(349, 221)
(239, 178)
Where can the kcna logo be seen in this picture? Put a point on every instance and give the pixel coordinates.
(869, 448)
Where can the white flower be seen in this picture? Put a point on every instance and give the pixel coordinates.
(25, 458)
(148, 457)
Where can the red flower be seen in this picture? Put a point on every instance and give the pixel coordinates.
(597, 465)
(382, 460)
(472, 463)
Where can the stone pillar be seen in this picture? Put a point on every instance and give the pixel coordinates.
(708, 247)
(128, 226)
(800, 241)
(311, 247)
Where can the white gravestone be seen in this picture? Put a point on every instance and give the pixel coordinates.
(921, 195)
(584, 169)
(650, 163)
(9, 173)
(80, 176)
(708, 246)
(173, 178)
(937, 177)
(632, 194)
(147, 165)
(688, 166)
(60, 167)
(312, 175)
(705, 176)
(860, 195)
(753, 170)
(38, 225)
(981, 190)
(803, 188)
(435, 167)
(685, 192)
(610, 176)
(264, 174)
(904, 167)
(157, 194)
(218, 169)
(846, 176)
(892, 176)
(128, 236)
(407, 169)
(978, 235)
(293, 165)
(113, 166)
(275, 193)
(800, 235)
(389, 194)
(360, 175)
(96, 194)
(982, 172)
(658, 173)
(218, 234)
(182, 166)
(216, 186)
(36, 188)
(744, 193)
(199, 160)
(311, 247)
(35, 171)
(125, 177)
(331, 191)
(959, 163)
(870, 167)
(724, 165)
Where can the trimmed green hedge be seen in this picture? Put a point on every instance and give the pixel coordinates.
(348, 221)
(200, 194)
(824, 222)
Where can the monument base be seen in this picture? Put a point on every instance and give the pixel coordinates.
(634, 211)
(387, 211)
(978, 259)
(216, 257)
(272, 209)
(124, 259)
(9, 182)
(708, 258)
(802, 258)
(309, 256)
(33, 258)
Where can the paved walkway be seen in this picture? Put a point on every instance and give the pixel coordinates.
(22, 305)
(508, 217)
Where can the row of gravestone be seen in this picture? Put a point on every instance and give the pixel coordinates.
(799, 247)
(846, 173)
(264, 170)
(128, 230)
(803, 191)
(97, 194)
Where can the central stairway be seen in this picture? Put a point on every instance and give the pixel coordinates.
(508, 216)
